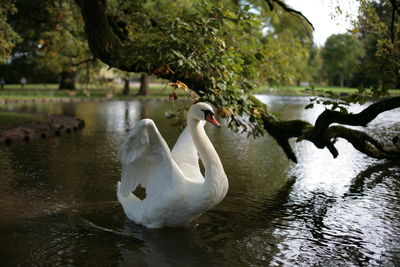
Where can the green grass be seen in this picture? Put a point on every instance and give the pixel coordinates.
(48, 86)
(300, 90)
(39, 91)
(14, 119)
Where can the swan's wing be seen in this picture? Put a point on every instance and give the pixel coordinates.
(146, 160)
(186, 157)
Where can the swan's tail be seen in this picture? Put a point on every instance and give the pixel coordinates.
(127, 202)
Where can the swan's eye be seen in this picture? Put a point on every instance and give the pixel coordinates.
(207, 112)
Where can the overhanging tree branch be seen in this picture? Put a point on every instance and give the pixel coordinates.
(363, 142)
(85, 61)
(360, 119)
(104, 44)
(395, 9)
(285, 7)
(322, 135)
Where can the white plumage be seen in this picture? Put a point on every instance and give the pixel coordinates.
(176, 191)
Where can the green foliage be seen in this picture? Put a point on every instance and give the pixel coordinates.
(341, 57)
(287, 49)
(8, 37)
(52, 41)
(380, 33)
(63, 45)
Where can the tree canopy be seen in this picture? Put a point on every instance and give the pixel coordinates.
(8, 36)
(51, 41)
(341, 54)
(378, 28)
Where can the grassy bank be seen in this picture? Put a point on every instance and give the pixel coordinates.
(35, 91)
(14, 119)
(301, 90)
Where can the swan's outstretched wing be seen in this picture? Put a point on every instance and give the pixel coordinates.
(146, 160)
(185, 155)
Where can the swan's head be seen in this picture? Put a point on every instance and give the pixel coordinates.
(203, 111)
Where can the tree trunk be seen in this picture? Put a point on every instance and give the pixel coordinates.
(67, 80)
(144, 85)
(341, 77)
(126, 86)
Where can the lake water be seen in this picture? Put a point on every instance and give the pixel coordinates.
(58, 205)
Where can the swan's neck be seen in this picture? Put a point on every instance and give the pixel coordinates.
(215, 178)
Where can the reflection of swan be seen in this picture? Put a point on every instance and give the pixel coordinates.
(176, 191)
(164, 247)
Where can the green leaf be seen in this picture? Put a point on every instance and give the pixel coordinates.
(178, 54)
(309, 106)
(229, 14)
(260, 56)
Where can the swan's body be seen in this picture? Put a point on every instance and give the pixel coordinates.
(176, 191)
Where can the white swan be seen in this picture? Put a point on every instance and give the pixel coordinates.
(176, 191)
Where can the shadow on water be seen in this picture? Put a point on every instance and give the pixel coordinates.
(169, 247)
(371, 177)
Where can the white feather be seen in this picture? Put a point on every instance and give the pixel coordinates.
(186, 156)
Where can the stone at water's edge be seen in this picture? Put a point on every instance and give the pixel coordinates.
(55, 125)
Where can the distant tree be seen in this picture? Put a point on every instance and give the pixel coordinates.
(285, 48)
(127, 81)
(378, 28)
(27, 21)
(315, 65)
(52, 41)
(143, 83)
(341, 56)
(63, 47)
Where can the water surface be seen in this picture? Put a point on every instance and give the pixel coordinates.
(58, 203)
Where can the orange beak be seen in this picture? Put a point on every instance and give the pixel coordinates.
(211, 119)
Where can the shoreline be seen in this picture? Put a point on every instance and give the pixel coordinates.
(54, 126)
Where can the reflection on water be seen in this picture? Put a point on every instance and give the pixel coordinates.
(58, 204)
